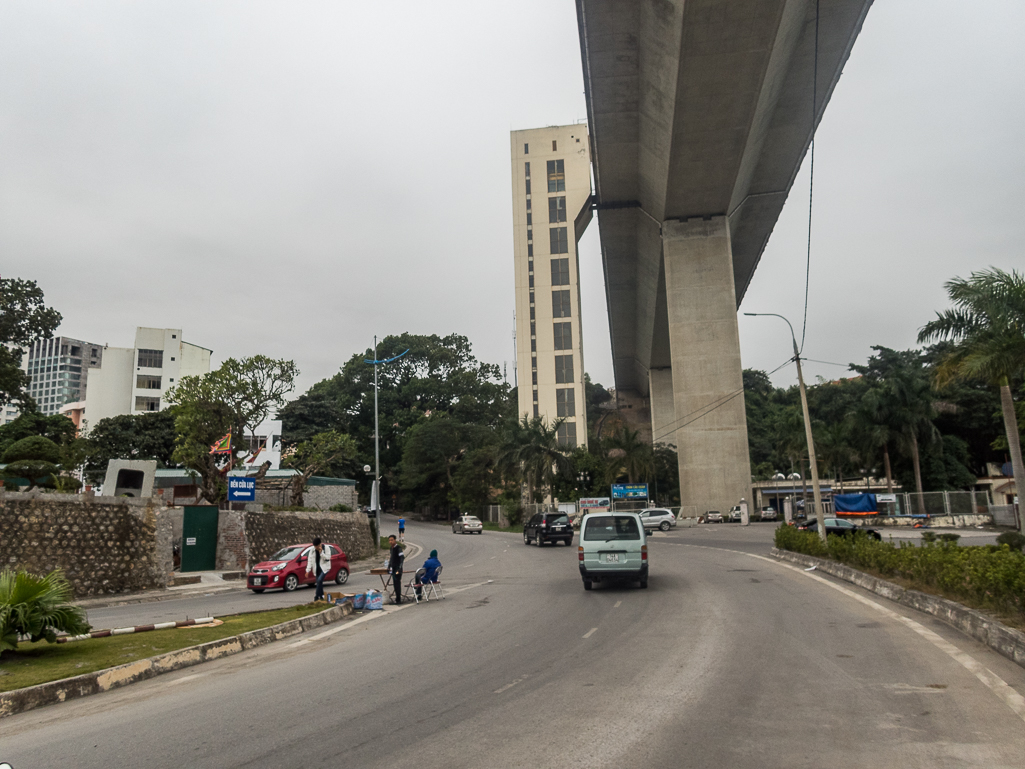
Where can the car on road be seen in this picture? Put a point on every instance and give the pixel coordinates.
(735, 514)
(548, 527)
(467, 524)
(840, 527)
(658, 518)
(286, 569)
(713, 516)
(768, 514)
(613, 546)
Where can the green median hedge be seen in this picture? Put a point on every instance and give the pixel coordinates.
(990, 576)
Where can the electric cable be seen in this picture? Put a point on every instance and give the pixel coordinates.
(811, 180)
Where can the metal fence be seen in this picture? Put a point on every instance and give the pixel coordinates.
(936, 503)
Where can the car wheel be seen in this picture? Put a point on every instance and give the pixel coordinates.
(342, 577)
(291, 583)
(588, 584)
(526, 539)
(664, 526)
(539, 541)
(257, 589)
(644, 584)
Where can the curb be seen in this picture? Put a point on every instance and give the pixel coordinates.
(128, 599)
(31, 697)
(1004, 640)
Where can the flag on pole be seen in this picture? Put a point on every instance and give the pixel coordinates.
(223, 446)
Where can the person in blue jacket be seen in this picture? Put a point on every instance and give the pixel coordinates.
(432, 564)
(402, 529)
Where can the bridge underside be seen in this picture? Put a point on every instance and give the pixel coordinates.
(700, 113)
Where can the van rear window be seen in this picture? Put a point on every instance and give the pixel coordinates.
(609, 527)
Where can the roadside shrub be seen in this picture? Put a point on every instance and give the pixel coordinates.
(928, 537)
(1013, 539)
(37, 607)
(35, 471)
(988, 576)
(34, 447)
(340, 508)
(950, 537)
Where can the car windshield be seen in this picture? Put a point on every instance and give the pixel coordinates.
(609, 527)
(286, 554)
(471, 519)
(557, 519)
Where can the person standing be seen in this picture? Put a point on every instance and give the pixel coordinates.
(395, 566)
(402, 529)
(318, 563)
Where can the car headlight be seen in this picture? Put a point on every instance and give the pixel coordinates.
(279, 567)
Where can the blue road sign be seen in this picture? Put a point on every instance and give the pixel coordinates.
(629, 491)
(241, 489)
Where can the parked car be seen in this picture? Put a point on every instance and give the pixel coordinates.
(713, 516)
(548, 527)
(286, 569)
(613, 546)
(735, 515)
(768, 513)
(840, 527)
(658, 518)
(467, 524)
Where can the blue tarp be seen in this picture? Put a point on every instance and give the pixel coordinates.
(855, 503)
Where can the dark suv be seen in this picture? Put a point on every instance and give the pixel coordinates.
(548, 527)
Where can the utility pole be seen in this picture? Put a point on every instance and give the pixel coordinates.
(812, 460)
(375, 494)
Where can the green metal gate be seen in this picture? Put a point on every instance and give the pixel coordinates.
(199, 538)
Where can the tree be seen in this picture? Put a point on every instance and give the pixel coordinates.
(904, 401)
(30, 422)
(131, 436)
(37, 607)
(23, 319)
(987, 327)
(321, 453)
(35, 447)
(531, 453)
(629, 455)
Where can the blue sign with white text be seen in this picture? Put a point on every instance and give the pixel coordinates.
(629, 491)
(241, 489)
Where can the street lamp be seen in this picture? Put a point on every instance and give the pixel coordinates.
(375, 493)
(812, 461)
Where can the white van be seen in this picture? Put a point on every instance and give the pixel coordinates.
(613, 546)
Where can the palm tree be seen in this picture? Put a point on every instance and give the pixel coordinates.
(987, 327)
(833, 446)
(37, 607)
(630, 455)
(872, 434)
(792, 442)
(532, 453)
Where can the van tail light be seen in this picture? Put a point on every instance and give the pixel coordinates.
(580, 553)
(644, 552)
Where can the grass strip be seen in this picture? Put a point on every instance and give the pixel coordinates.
(39, 663)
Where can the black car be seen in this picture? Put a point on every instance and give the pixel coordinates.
(840, 527)
(548, 527)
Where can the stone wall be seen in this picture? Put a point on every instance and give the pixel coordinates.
(268, 532)
(320, 497)
(105, 545)
(232, 543)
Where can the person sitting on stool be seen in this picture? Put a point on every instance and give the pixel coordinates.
(431, 565)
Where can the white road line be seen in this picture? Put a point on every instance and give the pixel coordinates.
(618, 604)
(183, 679)
(997, 685)
(590, 632)
(467, 566)
(494, 557)
(509, 686)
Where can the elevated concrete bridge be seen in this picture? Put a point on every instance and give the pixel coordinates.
(700, 113)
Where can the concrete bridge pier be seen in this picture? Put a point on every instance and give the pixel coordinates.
(706, 375)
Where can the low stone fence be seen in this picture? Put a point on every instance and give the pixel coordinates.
(104, 545)
(943, 521)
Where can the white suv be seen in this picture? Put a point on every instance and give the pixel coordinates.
(658, 518)
(735, 514)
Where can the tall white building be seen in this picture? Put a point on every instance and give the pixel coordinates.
(133, 380)
(551, 180)
(59, 370)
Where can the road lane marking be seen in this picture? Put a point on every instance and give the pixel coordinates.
(467, 566)
(183, 679)
(590, 632)
(510, 686)
(618, 603)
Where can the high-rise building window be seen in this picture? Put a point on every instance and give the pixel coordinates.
(147, 404)
(533, 345)
(528, 186)
(532, 313)
(563, 336)
(560, 272)
(151, 359)
(559, 240)
(530, 234)
(530, 279)
(567, 435)
(560, 304)
(533, 329)
(533, 375)
(526, 149)
(563, 369)
(556, 210)
(555, 146)
(528, 204)
(537, 410)
(556, 176)
(526, 168)
(146, 382)
(530, 218)
(530, 249)
(565, 403)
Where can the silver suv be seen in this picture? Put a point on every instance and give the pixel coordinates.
(658, 518)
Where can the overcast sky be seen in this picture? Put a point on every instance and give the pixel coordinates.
(291, 178)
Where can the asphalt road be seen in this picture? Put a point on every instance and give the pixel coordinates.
(729, 659)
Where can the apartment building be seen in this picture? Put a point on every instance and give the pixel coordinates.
(59, 370)
(551, 181)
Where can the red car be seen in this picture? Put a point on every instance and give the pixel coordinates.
(286, 569)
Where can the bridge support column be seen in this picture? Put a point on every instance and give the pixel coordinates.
(707, 380)
(663, 410)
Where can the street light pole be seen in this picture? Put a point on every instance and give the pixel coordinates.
(375, 495)
(812, 461)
